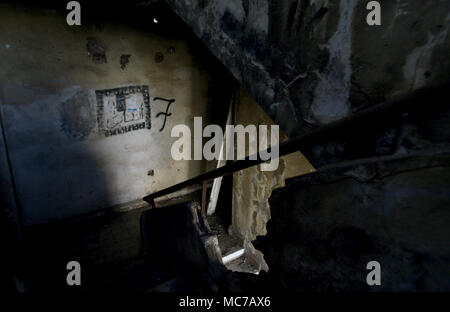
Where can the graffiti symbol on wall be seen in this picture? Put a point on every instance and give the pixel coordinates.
(165, 114)
(122, 110)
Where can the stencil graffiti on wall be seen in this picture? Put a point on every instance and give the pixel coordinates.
(123, 109)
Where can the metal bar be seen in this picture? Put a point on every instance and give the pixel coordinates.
(338, 129)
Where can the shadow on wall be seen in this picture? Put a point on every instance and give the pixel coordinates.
(57, 174)
(63, 166)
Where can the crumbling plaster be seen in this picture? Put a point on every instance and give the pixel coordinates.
(253, 187)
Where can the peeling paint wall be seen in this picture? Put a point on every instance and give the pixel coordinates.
(253, 187)
(311, 62)
(63, 162)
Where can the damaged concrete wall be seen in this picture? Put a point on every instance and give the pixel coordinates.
(85, 107)
(311, 62)
(253, 187)
(327, 226)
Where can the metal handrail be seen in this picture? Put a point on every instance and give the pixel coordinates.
(325, 133)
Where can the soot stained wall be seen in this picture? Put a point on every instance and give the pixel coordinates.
(308, 63)
(328, 225)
